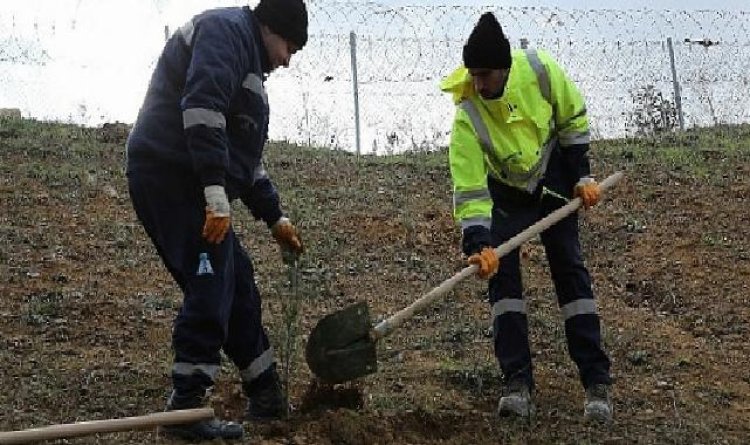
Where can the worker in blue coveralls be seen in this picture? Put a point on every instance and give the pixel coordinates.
(196, 146)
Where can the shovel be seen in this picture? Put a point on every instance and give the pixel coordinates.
(341, 347)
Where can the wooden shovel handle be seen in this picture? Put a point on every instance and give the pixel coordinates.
(387, 326)
(106, 426)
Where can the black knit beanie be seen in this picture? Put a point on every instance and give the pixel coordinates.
(487, 46)
(287, 18)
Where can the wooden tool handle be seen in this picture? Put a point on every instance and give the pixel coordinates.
(106, 426)
(387, 326)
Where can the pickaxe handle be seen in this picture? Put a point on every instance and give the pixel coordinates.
(387, 326)
(106, 426)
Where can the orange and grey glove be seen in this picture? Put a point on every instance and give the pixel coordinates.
(487, 261)
(589, 192)
(288, 238)
(217, 214)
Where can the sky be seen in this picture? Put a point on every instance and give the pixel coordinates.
(88, 61)
(735, 5)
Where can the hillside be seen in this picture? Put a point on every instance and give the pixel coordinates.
(86, 308)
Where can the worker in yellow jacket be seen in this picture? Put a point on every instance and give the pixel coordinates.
(518, 151)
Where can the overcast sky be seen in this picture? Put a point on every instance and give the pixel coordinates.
(736, 5)
(60, 58)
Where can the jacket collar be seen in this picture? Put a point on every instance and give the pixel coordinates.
(255, 27)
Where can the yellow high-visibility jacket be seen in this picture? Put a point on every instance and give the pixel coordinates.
(512, 137)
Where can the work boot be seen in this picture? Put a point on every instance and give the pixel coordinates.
(203, 430)
(265, 397)
(516, 400)
(598, 405)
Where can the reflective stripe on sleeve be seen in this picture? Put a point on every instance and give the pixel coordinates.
(202, 116)
(568, 139)
(254, 84)
(460, 197)
(478, 221)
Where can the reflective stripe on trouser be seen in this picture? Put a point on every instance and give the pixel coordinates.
(221, 306)
(571, 279)
(510, 322)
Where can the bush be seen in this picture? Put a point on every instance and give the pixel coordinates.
(653, 114)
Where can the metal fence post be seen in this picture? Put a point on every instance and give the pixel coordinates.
(355, 86)
(306, 105)
(676, 84)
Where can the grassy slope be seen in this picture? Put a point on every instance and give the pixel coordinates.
(87, 307)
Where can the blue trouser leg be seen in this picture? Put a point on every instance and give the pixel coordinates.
(575, 297)
(513, 212)
(247, 343)
(220, 306)
(510, 322)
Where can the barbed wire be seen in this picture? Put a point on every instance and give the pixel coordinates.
(402, 53)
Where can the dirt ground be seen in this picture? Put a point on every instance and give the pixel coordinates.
(86, 307)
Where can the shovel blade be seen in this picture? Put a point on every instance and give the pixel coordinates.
(339, 348)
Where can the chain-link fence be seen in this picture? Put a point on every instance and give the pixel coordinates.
(92, 65)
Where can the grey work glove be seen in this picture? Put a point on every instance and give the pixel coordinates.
(218, 217)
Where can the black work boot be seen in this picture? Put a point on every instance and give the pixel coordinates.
(203, 430)
(265, 397)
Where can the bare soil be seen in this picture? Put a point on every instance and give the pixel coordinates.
(86, 307)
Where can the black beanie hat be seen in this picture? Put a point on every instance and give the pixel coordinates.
(287, 18)
(487, 46)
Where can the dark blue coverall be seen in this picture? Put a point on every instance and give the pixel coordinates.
(205, 122)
